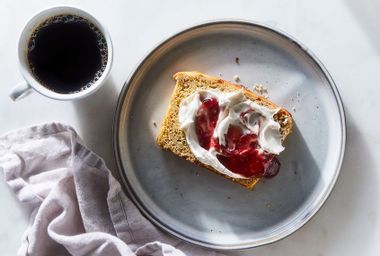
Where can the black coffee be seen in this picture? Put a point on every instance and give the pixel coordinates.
(67, 53)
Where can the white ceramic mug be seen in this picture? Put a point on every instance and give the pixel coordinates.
(31, 83)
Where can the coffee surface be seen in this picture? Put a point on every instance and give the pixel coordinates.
(67, 53)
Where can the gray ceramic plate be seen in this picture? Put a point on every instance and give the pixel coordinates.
(197, 205)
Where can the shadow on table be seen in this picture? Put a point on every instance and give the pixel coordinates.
(341, 219)
(95, 115)
(367, 15)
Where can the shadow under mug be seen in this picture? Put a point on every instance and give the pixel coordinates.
(30, 83)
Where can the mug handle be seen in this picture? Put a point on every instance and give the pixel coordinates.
(20, 91)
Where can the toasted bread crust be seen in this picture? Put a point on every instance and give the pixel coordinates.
(172, 138)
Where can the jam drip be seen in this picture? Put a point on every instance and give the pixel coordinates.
(241, 153)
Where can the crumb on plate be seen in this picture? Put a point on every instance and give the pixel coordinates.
(260, 89)
(236, 78)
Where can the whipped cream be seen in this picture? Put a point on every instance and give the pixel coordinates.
(232, 105)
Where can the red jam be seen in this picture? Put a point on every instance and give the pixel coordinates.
(241, 153)
(205, 121)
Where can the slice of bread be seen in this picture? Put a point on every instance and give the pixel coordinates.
(172, 138)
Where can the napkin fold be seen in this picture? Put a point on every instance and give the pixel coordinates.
(76, 206)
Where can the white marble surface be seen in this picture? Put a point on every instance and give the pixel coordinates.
(343, 34)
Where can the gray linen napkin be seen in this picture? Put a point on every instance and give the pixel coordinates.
(78, 207)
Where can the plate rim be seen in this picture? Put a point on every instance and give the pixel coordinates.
(301, 222)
